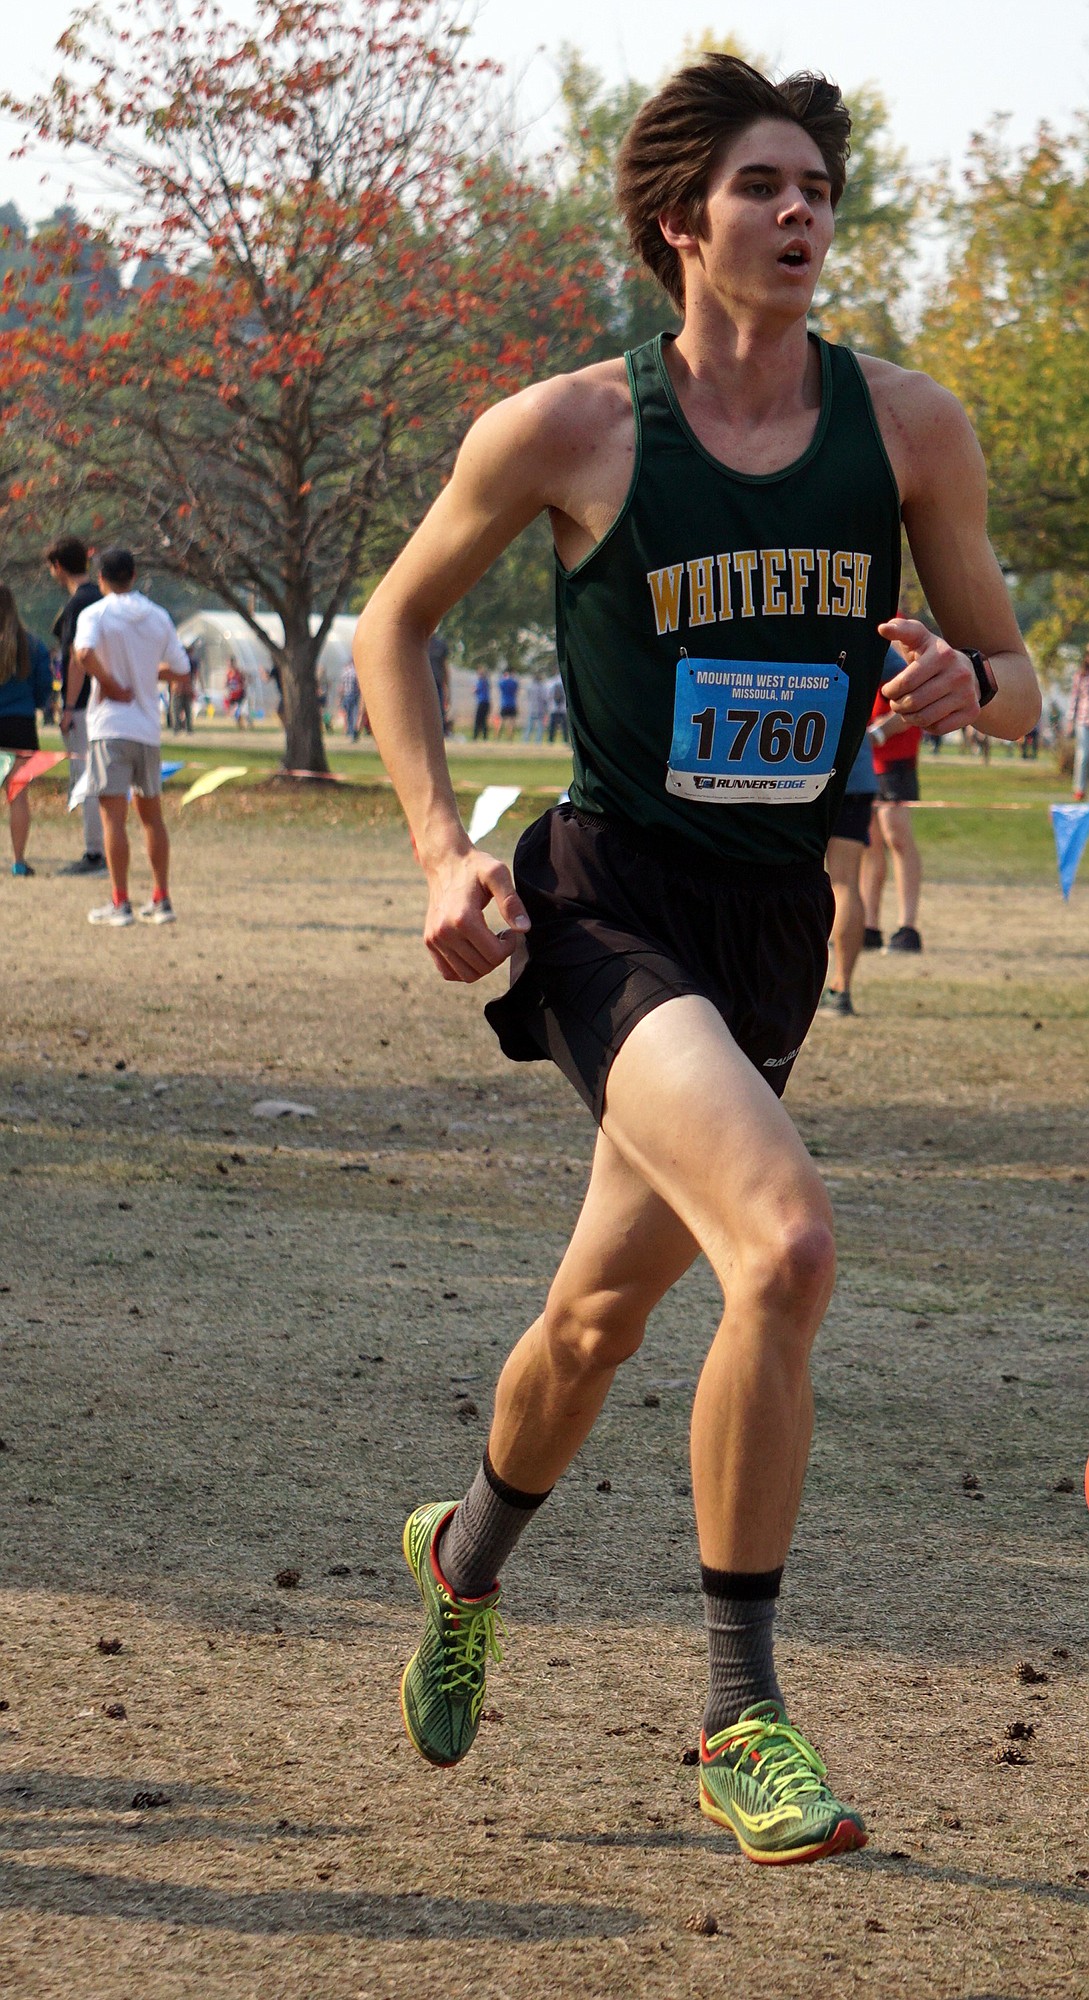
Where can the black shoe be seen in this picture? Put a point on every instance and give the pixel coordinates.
(836, 1003)
(872, 940)
(88, 864)
(905, 939)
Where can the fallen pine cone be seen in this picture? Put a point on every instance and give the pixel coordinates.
(703, 1922)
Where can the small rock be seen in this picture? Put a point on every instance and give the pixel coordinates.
(651, 1401)
(1064, 1485)
(492, 1715)
(124, 1204)
(4, 1707)
(872, 1924)
(1057, 1652)
(604, 1485)
(116, 1710)
(703, 1922)
(465, 1407)
(1010, 1755)
(1011, 1378)
(281, 1107)
(1019, 1732)
(339, 1569)
(969, 1482)
(288, 1579)
(559, 1661)
(1028, 1673)
(120, 1063)
(690, 1757)
(147, 1801)
(109, 1646)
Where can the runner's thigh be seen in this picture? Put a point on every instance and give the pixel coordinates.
(627, 1244)
(698, 1122)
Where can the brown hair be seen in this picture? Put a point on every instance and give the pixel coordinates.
(675, 141)
(69, 554)
(14, 651)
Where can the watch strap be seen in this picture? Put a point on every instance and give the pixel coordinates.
(985, 676)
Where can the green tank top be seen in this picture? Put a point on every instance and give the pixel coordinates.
(719, 647)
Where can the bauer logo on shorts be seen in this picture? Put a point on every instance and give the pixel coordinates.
(746, 731)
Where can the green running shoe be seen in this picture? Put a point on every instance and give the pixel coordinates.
(763, 1780)
(442, 1688)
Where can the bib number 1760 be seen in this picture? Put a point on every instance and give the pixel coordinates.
(781, 734)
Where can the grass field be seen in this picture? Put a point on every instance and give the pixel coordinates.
(233, 1348)
(970, 841)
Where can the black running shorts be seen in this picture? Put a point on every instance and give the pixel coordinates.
(899, 785)
(853, 818)
(623, 920)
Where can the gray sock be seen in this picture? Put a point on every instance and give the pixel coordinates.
(480, 1535)
(740, 1613)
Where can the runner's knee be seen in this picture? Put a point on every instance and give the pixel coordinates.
(596, 1329)
(789, 1266)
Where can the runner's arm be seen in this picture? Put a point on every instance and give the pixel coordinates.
(944, 494)
(496, 490)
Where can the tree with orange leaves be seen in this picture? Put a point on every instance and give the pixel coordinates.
(336, 266)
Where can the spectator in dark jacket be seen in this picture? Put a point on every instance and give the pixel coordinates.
(26, 684)
(67, 559)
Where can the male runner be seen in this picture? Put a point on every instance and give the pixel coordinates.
(726, 509)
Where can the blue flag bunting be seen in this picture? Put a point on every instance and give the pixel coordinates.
(1070, 825)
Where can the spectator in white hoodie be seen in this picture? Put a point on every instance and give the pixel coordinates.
(128, 645)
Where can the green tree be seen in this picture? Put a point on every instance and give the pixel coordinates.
(336, 271)
(1007, 328)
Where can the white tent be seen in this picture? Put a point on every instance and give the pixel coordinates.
(223, 635)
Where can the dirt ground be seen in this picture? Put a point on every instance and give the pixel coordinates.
(233, 1348)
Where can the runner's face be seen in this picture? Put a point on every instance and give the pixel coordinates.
(768, 220)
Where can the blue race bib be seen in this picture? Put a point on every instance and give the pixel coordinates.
(744, 730)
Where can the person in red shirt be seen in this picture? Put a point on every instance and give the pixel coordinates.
(895, 747)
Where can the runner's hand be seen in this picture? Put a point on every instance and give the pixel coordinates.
(455, 933)
(936, 690)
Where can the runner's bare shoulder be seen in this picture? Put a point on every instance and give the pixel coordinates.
(923, 425)
(561, 435)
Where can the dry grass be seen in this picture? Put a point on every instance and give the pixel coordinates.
(230, 1348)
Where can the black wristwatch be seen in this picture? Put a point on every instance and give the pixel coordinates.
(984, 673)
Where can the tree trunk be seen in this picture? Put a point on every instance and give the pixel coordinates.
(304, 745)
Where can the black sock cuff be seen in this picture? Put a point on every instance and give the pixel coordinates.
(745, 1585)
(511, 1494)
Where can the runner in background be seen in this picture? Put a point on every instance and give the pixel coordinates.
(895, 746)
(849, 841)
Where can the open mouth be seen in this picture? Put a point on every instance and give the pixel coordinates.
(796, 258)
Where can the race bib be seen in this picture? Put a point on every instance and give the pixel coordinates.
(744, 730)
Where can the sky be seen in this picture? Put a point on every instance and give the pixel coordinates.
(944, 66)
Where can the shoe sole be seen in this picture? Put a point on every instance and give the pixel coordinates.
(846, 1838)
(438, 1763)
(171, 919)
